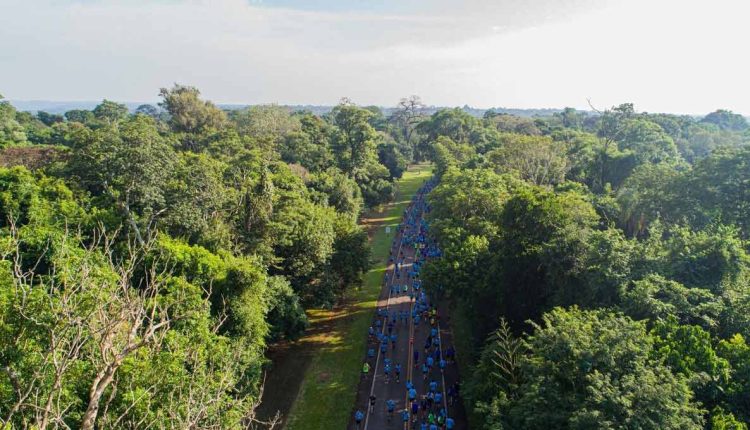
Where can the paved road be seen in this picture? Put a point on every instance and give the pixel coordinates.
(411, 334)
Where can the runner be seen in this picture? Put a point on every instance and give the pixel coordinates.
(390, 406)
(424, 406)
(365, 369)
(358, 417)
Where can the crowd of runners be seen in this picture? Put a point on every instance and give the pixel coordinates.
(425, 402)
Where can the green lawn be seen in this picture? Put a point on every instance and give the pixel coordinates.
(329, 387)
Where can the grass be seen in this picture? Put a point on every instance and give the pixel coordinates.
(329, 387)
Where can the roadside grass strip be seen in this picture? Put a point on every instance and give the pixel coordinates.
(329, 388)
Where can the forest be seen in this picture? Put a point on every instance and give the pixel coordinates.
(595, 262)
(149, 258)
(598, 263)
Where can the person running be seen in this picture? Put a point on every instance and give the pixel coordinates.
(430, 361)
(431, 400)
(365, 369)
(372, 403)
(416, 358)
(412, 394)
(390, 406)
(442, 364)
(394, 337)
(358, 417)
(438, 398)
(387, 371)
(414, 409)
(405, 416)
(433, 386)
(397, 372)
(425, 371)
(449, 423)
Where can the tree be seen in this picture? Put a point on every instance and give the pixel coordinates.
(190, 115)
(593, 370)
(736, 351)
(726, 120)
(131, 164)
(79, 115)
(656, 298)
(688, 350)
(148, 110)
(390, 157)
(48, 119)
(407, 116)
(538, 160)
(11, 131)
(83, 344)
(110, 112)
(355, 138)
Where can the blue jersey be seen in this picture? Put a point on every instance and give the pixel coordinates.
(391, 405)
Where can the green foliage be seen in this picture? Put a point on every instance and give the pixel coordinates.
(110, 112)
(538, 160)
(721, 420)
(688, 350)
(11, 132)
(193, 118)
(736, 351)
(227, 225)
(658, 298)
(592, 370)
(726, 120)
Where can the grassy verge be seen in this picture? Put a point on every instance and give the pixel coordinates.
(330, 384)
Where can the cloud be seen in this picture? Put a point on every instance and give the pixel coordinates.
(684, 56)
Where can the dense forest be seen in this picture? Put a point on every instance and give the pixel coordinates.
(599, 266)
(148, 258)
(596, 262)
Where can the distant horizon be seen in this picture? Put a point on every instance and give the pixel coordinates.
(37, 105)
(673, 56)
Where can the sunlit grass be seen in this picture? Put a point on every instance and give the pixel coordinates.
(329, 387)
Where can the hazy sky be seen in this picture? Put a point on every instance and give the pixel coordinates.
(688, 56)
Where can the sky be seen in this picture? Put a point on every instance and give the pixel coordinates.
(680, 56)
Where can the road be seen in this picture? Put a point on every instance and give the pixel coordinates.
(410, 335)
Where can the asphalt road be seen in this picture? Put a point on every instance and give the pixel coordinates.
(410, 336)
